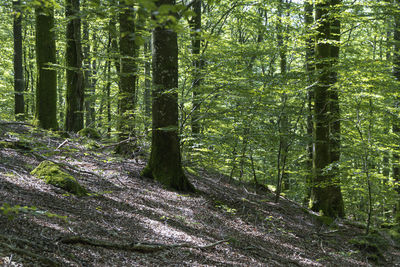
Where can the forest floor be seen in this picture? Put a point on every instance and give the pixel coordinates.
(128, 220)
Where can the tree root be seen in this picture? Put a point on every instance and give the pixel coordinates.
(137, 247)
(39, 258)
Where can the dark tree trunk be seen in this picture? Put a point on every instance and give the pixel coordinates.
(128, 74)
(327, 196)
(19, 84)
(165, 158)
(46, 90)
(74, 76)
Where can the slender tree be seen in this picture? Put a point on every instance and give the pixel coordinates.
(128, 74)
(165, 158)
(46, 89)
(195, 24)
(396, 73)
(327, 196)
(19, 84)
(75, 84)
(310, 67)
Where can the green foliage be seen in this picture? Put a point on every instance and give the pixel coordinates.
(52, 174)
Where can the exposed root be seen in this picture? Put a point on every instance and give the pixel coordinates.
(138, 247)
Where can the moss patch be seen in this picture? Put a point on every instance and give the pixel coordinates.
(373, 245)
(52, 174)
(90, 132)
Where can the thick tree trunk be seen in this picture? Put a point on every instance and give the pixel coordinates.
(165, 159)
(46, 90)
(128, 74)
(327, 196)
(74, 76)
(19, 84)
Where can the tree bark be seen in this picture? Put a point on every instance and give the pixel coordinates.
(165, 158)
(19, 84)
(128, 74)
(74, 76)
(46, 89)
(327, 196)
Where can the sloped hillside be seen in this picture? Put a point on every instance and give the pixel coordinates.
(127, 220)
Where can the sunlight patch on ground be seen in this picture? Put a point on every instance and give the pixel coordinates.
(167, 231)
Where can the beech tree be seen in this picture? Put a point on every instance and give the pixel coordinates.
(165, 159)
(128, 51)
(46, 89)
(327, 196)
(19, 84)
(74, 76)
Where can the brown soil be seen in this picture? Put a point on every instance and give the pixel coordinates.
(125, 208)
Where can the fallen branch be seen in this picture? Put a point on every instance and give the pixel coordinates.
(138, 247)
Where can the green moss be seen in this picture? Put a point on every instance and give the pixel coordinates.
(323, 220)
(52, 174)
(90, 132)
(16, 145)
(373, 245)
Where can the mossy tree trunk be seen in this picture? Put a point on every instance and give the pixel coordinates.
(327, 196)
(19, 84)
(74, 76)
(46, 89)
(165, 158)
(128, 76)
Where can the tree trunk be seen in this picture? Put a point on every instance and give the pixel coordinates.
(396, 127)
(165, 158)
(19, 84)
(195, 24)
(74, 76)
(128, 74)
(90, 115)
(147, 77)
(327, 196)
(46, 90)
(310, 71)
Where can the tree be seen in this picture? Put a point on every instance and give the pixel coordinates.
(165, 159)
(396, 74)
(310, 67)
(74, 76)
(327, 195)
(19, 84)
(128, 50)
(195, 31)
(46, 89)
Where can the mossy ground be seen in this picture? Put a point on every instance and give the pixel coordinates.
(52, 174)
(90, 132)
